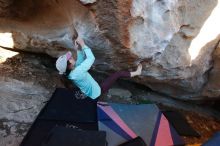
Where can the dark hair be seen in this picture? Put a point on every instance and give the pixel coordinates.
(67, 69)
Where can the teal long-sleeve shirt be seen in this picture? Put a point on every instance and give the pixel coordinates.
(80, 76)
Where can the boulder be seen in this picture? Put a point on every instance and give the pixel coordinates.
(119, 93)
(20, 104)
(169, 33)
(212, 88)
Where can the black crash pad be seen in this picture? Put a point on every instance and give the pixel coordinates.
(40, 129)
(64, 106)
(63, 109)
(138, 141)
(61, 136)
(180, 123)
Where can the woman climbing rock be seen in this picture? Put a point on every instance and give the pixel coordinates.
(76, 70)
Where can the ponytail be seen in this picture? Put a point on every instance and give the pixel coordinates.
(66, 74)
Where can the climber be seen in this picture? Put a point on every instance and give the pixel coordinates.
(76, 70)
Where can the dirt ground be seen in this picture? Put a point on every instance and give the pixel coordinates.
(40, 68)
(203, 125)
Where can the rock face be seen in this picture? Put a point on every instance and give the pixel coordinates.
(169, 33)
(26, 84)
(121, 93)
(20, 104)
(212, 88)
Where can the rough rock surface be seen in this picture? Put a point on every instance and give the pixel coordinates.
(24, 90)
(212, 88)
(20, 104)
(121, 32)
(121, 93)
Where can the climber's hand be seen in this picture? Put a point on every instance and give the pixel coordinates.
(80, 41)
(77, 47)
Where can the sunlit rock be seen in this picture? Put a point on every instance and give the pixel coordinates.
(6, 40)
(155, 25)
(5, 54)
(88, 1)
